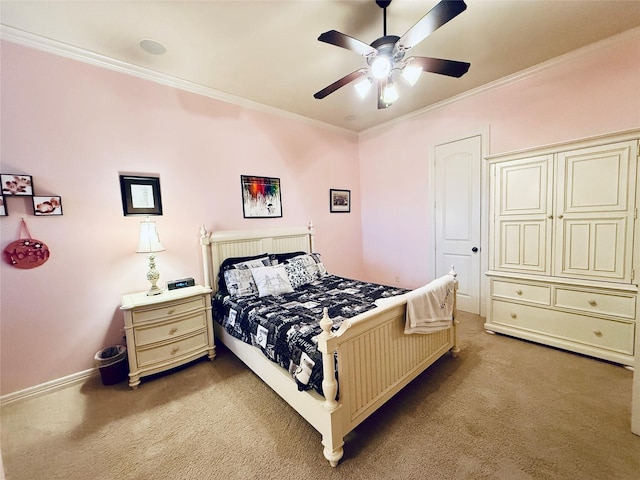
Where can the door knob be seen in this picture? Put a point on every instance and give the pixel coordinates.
(474, 249)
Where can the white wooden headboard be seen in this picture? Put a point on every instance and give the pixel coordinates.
(218, 246)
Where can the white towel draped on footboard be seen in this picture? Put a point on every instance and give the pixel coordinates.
(430, 308)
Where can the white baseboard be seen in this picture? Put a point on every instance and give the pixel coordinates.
(48, 387)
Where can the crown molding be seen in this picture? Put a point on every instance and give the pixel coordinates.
(510, 79)
(47, 45)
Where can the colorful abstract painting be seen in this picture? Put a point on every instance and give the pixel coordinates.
(261, 197)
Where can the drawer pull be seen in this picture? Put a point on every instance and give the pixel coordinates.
(174, 350)
(519, 292)
(170, 312)
(173, 330)
(513, 315)
(593, 303)
(597, 333)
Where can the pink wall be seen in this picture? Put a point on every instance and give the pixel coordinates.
(74, 127)
(590, 94)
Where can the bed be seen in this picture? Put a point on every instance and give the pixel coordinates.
(365, 359)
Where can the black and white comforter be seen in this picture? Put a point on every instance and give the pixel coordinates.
(286, 327)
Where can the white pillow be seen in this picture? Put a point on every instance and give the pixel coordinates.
(258, 262)
(271, 280)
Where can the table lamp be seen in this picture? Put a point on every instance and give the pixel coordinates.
(149, 242)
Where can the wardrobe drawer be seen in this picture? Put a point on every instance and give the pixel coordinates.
(157, 332)
(612, 335)
(609, 303)
(169, 309)
(525, 292)
(169, 351)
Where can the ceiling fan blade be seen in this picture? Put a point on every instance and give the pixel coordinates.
(436, 17)
(338, 84)
(338, 39)
(451, 68)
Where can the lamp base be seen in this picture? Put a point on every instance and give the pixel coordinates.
(153, 276)
(154, 290)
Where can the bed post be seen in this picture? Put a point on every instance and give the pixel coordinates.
(312, 233)
(455, 350)
(206, 263)
(334, 440)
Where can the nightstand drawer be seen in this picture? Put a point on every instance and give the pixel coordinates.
(525, 292)
(170, 351)
(158, 332)
(170, 309)
(609, 303)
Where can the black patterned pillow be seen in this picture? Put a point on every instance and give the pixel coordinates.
(298, 274)
(240, 282)
(308, 263)
(322, 271)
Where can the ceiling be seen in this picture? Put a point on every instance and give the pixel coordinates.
(266, 54)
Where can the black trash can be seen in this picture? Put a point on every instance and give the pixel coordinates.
(113, 365)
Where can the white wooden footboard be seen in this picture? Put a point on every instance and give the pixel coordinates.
(375, 358)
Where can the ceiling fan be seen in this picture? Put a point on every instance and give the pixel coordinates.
(386, 54)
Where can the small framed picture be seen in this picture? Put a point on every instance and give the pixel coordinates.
(339, 200)
(47, 205)
(19, 185)
(140, 195)
(3, 207)
(261, 197)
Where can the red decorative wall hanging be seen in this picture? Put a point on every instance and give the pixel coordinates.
(26, 252)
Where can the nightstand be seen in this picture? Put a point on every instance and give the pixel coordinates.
(167, 330)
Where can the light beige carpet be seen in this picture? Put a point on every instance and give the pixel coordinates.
(504, 409)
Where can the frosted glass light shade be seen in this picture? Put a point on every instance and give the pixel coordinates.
(389, 94)
(362, 86)
(411, 73)
(381, 67)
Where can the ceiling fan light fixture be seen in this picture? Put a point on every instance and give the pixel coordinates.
(381, 67)
(363, 86)
(411, 73)
(389, 94)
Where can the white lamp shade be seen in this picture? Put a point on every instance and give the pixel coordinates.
(149, 240)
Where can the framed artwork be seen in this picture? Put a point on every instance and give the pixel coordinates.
(140, 195)
(261, 197)
(19, 185)
(3, 207)
(339, 200)
(46, 205)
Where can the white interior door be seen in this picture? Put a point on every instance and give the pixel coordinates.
(457, 215)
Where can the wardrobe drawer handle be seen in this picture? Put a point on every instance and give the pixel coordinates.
(519, 292)
(513, 315)
(173, 330)
(174, 350)
(597, 333)
(593, 303)
(170, 312)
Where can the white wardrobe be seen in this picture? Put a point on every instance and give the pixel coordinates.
(563, 245)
